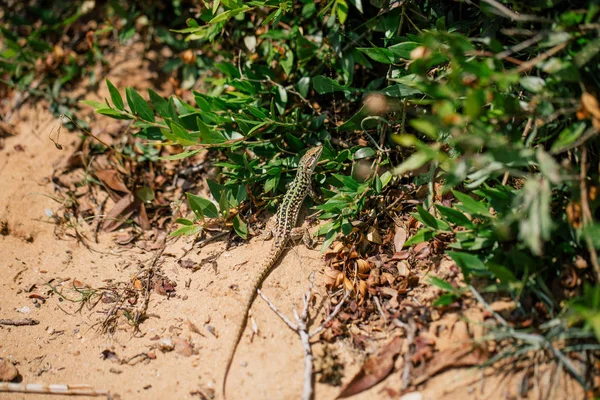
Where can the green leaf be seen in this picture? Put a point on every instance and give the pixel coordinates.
(474, 103)
(178, 134)
(429, 220)
(402, 50)
(240, 227)
(568, 136)
(115, 96)
(94, 104)
(378, 54)
(501, 272)
(160, 104)
(180, 156)
(425, 126)
(548, 166)
(415, 161)
(423, 235)
(442, 284)
(532, 83)
(202, 207)
(470, 205)
(113, 113)
(445, 300)
(469, 263)
(228, 14)
(304, 85)
(145, 194)
(454, 216)
(138, 105)
(400, 90)
(363, 152)
(187, 230)
(342, 10)
(324, 85)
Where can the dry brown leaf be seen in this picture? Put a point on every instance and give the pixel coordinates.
(574, 214)
(348, 285)
(422, 250)
(590, 104)
(373, 235)
(124, 209)
(375, 369)
(403, 269)
(464, 356)
(400, 238)
(112, 181)
(363, 266)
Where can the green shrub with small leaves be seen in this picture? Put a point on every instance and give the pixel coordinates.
(492, 106)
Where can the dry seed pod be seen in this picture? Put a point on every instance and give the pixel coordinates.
(348, 285)
(337, 248)
(362, 289)
(339, 279)
(363, 266)
(331, 276)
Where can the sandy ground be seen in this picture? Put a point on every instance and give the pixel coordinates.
(200, 319)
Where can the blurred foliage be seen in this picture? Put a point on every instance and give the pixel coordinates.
(47, 46)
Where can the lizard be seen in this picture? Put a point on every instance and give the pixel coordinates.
(284, 230)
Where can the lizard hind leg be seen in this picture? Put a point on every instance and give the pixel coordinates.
(269, 231)
(304, 234)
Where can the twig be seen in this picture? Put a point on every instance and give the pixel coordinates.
(487, 306)
(68, 390)
(526, 66)
(503, 11)
(411, 330)
(378, 304)
(587, 213)
(19, 322)
(301, 328)
(276, 310)
(331, 316)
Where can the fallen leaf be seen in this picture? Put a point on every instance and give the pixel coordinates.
(466, 355)
(112, 181)
(373, 235)
(590, 103)
(422, 250)
(399, 238)
(375, 369)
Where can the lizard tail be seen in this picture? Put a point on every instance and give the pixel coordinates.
(272, 258)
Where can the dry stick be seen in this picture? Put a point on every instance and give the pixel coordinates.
(526, 66)
(68, 390)
(411, 330)
(301, 328)
(19, 322)
(587, 213)
(503, 11)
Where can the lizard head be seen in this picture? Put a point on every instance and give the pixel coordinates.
(310, 158)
